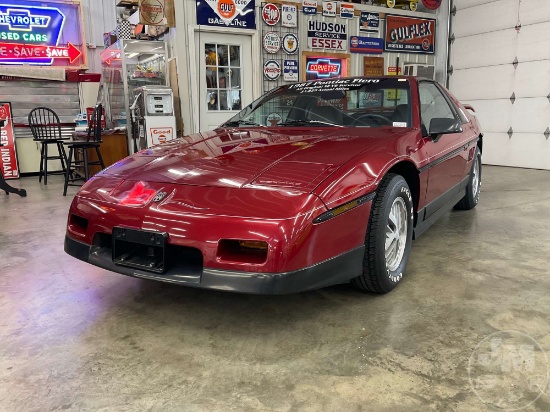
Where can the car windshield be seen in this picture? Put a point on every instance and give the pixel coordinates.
(350, 102)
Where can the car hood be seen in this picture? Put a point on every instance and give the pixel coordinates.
(292, 158)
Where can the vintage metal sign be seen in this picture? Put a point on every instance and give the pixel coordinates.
(157, 12)
(372, 45)
(309, 6)
(290, 70)
(329, 8)
(432, 4)
(323, 35)
(272, 42)
(373, 66)
(8, 153)
(290, 15)
(322, 68)
(272, 70)
(346, 10)
(290, 43)
(369, 22)
(409, 35)
(227, 13)
(271, 14)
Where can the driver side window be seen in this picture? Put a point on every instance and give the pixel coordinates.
(432, 105)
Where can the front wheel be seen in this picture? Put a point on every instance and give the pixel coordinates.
(471, 198)
(389, 236)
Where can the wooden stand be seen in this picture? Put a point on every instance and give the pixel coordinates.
(114, 147)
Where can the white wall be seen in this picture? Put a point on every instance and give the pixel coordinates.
(486, 45)
(99, 17)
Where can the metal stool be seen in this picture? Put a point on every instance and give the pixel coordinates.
(46, 129)
(93, 141)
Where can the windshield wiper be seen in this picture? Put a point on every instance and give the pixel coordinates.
(297, 122)
(242, 121)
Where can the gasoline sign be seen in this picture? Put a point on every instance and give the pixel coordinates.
(290, 43)
(290, 70)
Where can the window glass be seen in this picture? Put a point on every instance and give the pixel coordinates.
(354, 103)
(223, 76)
(432, 105)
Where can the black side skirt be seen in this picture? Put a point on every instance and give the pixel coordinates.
(438, 207)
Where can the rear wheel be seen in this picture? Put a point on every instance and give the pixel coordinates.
(389, 237)
(470, 200)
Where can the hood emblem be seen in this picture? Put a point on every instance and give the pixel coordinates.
(159, 196)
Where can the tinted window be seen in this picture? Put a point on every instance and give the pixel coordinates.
(432, 105)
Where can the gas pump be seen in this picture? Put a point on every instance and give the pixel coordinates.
(153, 114)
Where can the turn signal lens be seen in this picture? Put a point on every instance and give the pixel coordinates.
(253, 244)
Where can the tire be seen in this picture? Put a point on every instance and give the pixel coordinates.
(470, 200)
(382, 270)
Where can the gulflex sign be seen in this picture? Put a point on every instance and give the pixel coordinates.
(30, 35)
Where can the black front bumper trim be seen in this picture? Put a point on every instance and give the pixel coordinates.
(340, 269)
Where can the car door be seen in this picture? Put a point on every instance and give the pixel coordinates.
(448, 154)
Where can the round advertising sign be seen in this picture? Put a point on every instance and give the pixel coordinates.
(272, 42)
(271, 14)
(272, 70)
(354, 41)
(290, 43)
(152, 11)
(431, 4)
(274, 119)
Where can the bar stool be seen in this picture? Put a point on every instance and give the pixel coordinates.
(93, 141)
(46, 129)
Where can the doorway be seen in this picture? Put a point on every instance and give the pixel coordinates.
(225, 76)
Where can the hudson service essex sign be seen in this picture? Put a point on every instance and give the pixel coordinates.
(323, 35)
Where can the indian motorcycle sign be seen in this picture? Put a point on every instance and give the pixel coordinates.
(8, 155)
(227, 13)
(409, 35)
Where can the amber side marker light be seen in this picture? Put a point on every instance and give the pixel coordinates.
(323, 217)
(243, 251)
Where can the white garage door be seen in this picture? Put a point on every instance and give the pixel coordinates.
(486, 45)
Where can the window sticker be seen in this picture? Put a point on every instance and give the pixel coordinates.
(399, 124)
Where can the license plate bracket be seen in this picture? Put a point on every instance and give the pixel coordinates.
(140, 249)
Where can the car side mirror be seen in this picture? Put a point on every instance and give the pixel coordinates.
(443, 125)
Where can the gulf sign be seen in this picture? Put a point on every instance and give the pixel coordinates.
(323, 35)
(30, 26)
(226, 13)
(409, 35)
(371, 45)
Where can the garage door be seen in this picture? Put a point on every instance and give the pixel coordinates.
(512, 101)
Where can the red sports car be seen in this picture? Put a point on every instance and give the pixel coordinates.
(313, 184)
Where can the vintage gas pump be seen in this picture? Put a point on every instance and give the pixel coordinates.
(153, 114)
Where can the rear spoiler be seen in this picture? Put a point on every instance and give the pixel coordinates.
(469, 107)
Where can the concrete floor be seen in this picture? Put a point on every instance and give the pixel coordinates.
(76, 337)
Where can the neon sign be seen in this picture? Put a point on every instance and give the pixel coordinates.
(30, 35)
(323, 68)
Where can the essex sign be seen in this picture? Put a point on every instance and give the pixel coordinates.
(330, 36)
(409, 35)
(31, 34)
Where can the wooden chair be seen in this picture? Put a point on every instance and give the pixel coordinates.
(46, 129)
(93, 141)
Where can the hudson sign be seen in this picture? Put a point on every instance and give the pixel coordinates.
(323, 35)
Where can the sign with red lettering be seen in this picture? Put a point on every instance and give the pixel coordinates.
(324, 67)
(11, 51)
(323, 35)
(409, 35)
(161, 134)
(8, 153)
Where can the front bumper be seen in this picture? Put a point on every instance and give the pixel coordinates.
(339, 269)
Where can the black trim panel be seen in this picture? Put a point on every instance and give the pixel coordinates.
(323, 217)
(339, 269)
(447, 156)
(421, 227)
(442, 200)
